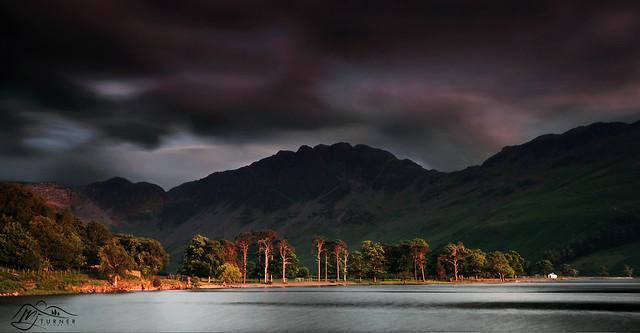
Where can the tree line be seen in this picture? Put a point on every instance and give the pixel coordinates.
(35, 235)
(218, 259)
(414, 259)
(230, 261)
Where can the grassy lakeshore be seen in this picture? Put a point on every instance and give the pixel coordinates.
(20, 282)
(525, 279)
(14, 282)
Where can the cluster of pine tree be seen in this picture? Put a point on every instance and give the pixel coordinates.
(414, 260)
(228, 261)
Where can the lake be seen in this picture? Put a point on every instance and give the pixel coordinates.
(584, 305)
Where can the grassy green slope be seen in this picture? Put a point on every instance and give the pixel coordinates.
(613, 260)
(572, 204)
(491, 212)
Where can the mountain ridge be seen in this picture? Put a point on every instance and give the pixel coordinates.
(531, 197)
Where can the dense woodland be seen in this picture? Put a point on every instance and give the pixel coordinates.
(36, 236)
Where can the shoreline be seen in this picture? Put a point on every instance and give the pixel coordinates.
(396, 282)
(275, 284)
(126, 287)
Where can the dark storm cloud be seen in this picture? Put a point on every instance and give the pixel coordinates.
(446, 83)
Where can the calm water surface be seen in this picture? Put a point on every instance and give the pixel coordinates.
(610, 306)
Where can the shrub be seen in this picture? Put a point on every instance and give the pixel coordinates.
(303, 272)
(230, 273)
(9, 286)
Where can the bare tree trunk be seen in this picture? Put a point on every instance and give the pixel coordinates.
(326, 266)
(284, 266)
(319, 271)
(422, 268)
(266, 266)
(455, 268)
(345, 267)
(415, 269)
(244, 266)
(337, 267)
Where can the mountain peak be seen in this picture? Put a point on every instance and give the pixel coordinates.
(117, 181)
(288, 177)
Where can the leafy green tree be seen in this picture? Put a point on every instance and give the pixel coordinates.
(404, 276)
(418, 250)
(60, 248)
(574, 272)
(292, 266)
(19, 201)
(498, 265)
(398, 257)
(303, 272)
(114, 261)
(544, 267)
(243, 242)
(70, 224)
(567, 270)
(453, 254)
(96, 236)
(203, 258)
(475, 263)
(229, 251)
(229, 273)
(439, 270)
(148, 255)
(17, 247)
(516, 262)
(373, 259)
(356, 266)
(152, 257)
(97, 233)
(317, 248)
(252, 270)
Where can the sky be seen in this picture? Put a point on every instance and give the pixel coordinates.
(172, 91)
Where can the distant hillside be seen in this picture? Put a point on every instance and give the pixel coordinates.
(563, 196)
(117, 202)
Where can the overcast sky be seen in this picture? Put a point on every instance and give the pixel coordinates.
(171, 91)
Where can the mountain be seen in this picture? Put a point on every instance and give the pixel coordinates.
(117, 202)
(570, 197)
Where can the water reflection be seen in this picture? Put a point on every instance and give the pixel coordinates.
(561, 306)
